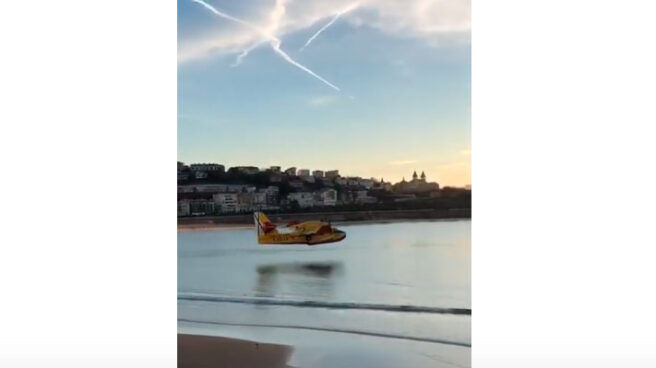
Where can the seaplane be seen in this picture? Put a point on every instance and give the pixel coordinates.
(309, 232)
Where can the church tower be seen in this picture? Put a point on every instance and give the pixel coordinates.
(423, 176)
(414, 175)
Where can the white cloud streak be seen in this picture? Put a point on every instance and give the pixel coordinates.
(437, 22)
(267, 34)
(339, 14)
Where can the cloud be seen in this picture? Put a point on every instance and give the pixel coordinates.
(436, 21)
(402, 162)
(335, 17)
(267, 34)
(322, 100)
(451, 165)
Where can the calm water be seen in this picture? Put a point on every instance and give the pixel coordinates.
(375, 271)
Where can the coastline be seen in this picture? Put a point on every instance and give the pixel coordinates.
(216, 351)
(339, 217)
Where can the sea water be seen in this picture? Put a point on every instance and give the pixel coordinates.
(405, 285)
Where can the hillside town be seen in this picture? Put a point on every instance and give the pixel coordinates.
(208, 189)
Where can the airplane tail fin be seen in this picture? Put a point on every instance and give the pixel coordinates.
(262, 223)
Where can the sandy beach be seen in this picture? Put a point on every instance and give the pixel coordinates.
(195, 351)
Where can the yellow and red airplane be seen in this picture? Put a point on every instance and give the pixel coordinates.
(309, 232)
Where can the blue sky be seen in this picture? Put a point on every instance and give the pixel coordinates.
(402, 69)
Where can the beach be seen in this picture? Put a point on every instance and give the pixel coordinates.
(196, 351)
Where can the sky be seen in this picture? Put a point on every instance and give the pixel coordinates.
(383, 88)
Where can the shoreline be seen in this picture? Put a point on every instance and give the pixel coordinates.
(217, 351)
(230, 222)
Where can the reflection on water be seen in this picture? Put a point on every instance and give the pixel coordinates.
(316, 269)
(301, 278)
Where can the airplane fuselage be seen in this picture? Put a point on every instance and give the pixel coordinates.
(310, 232)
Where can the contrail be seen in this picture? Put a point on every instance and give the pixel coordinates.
(339, 14)
(245, 52)
(274, 41)
(276, 48)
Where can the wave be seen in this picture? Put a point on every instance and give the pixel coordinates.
(328, 329)
(323, 304)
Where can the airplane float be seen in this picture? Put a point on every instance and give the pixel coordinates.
(309, 232)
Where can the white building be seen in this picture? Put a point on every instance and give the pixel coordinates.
(303, 172)
(317, 174)
(304, 199)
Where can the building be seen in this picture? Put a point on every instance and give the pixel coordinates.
(183, 176)
(361, 196)
(366, 183)
(207, 167)
(275, 177)
(332, 174)
(275, 169)
(245, 202)
(404, 197)
(200, 174)
(328, 182)
(325, 197)
(291, 171)
(304, 199)
(272, 196)
(201, 207)
(317, 174)
(226, 202)
(418, 185)
(353, 181)
(186, 188)
(249, 170)
(208, 188)
(296, 184)
(303, 172)
(308, 179)
(183, 208)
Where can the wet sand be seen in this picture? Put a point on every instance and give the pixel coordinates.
(196, 351)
